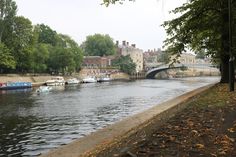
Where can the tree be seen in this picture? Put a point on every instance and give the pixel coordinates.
(20, 42)
(99, 45)
(46, 35)
(73, 50)
(66, 57)
(107, 2)
(163, 57)
(7, 13)
(201, 55)
(7, 61)
(40, 57)
(125, 64)
(202, 27)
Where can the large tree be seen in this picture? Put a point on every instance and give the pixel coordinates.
(7, 13)
(202, 27)
(20, 41)
(99, 45)
(66, 57)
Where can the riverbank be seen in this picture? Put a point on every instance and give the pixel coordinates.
(38, 80)
(111, 139)
(206, 127)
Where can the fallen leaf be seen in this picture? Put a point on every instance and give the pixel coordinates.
(172, 138)
(231, 130)
(199, 146)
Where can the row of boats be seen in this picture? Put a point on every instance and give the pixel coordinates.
(59, 81)
(55, 81)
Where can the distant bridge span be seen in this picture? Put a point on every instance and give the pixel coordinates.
(152, 72)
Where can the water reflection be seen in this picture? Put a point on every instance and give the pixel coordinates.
(16, 91)
(31, 124)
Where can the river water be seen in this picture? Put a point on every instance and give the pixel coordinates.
(32, 124)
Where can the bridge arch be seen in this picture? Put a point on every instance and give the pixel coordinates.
(152, 73)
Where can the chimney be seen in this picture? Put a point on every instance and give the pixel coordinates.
(133, 45)
(124, 43)
(117, 43)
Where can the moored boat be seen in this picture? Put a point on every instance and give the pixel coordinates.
(72, 81)
(104, 79)
(89, 80)
(15, 85)
(56, 81)
(43, 89)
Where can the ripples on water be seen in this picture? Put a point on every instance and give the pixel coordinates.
(32, 124)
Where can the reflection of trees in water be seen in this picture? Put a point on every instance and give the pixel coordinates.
(15, 124)
(14, 134)
(17, 102)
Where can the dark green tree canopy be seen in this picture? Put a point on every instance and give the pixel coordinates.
(125, 64)
(6, 59)
(46, 35)
(99, 45)
(28, 48)
(203, 27)
(7, 13)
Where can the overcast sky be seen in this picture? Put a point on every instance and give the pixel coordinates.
(136, 22)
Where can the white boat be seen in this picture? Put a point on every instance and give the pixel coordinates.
(56, 81)
(89, 80)
(43, 89)
(72, 81)
(104, 79)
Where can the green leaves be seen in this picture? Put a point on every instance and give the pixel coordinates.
(8, 10)
(199, 27)
(99, 45)
(66, 57)
(6, 59)
(125, 64)
(108, 2)
(202, 28)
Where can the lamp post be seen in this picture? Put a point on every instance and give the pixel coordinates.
(231, 59)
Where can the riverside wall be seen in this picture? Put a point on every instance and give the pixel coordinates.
(43, 78)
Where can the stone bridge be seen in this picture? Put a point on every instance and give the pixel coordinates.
(152, 72)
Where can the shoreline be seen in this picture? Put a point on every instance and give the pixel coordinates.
(131, 126)
(38, 80)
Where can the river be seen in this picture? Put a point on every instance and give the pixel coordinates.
(32, 124)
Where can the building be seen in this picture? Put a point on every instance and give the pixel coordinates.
(97, 61)
(187, 58)
(152, 58)
(136, 54)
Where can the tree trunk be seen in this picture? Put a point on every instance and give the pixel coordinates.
(0, 36)
(224, 69)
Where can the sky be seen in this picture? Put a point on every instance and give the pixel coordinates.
(136, 22)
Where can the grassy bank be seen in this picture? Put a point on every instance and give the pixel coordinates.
(206, 127)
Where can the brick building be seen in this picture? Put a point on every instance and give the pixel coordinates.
(97, 61)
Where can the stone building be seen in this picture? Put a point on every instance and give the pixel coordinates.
(187, 58)
(97, 61)
(152, 58)
(136, 54)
